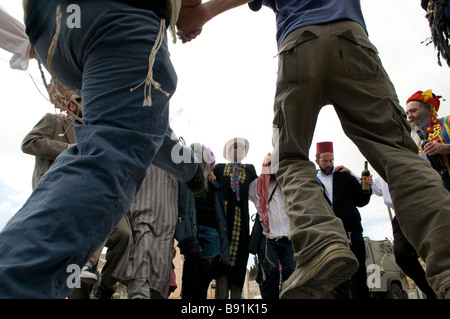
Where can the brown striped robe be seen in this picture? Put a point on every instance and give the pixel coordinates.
(152, 216)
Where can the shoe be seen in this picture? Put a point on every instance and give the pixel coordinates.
(103, 294)
(334, 265)
(198, 185)
(444, 294)
(88, 276)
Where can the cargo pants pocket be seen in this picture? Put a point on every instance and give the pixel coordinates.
(296, 58)
(359, 57)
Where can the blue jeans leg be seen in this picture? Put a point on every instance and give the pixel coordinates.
(89, 188)
(286, 255)
(272, 254)
(182, 162)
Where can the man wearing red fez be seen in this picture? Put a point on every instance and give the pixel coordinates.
(421, 109)
(325, 57)
(343, 192)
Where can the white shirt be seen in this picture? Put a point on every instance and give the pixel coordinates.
(327, 182)
(381, 188)
(14, 39)
(278, 220)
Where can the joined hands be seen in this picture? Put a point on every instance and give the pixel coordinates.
(191, 20)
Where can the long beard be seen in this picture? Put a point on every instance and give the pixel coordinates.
(422, 122)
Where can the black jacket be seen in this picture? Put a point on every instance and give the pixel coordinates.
(347, 196)
(186, 228)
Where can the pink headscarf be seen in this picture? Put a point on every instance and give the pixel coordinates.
(262, 186)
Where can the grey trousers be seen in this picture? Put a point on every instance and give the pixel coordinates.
(336, 64)
(225, 289)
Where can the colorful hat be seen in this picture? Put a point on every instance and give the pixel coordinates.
(432, 99)
(427, 97)
(324, 147)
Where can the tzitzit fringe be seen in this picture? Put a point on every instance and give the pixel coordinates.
(58, 93)
(62, 93)
(149, 81)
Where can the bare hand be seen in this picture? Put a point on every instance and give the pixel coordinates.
(211, 176)
(369, 180)
(191, 20)
(435, 148)
(191, 3)
(342, 168)
(32, 53)
(194, 15)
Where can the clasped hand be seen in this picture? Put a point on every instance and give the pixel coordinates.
(190, 20)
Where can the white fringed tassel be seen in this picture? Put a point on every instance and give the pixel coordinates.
(149, 81)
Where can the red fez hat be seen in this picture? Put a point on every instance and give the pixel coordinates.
(427, 97)
(324, 147)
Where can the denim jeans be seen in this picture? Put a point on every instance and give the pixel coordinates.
(197, 274)
(89, 188)
(271, 254)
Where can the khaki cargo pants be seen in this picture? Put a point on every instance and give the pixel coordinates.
(337, 64)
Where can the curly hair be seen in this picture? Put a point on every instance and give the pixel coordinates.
(440, 30)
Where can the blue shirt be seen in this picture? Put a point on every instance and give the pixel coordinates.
(294, 14)
(41, 11)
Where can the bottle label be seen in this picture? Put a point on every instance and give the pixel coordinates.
(365, 185)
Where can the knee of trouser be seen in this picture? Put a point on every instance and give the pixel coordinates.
(120, 235)
(123, 232)
(266, 269)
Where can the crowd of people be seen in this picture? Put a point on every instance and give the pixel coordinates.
(111, 148)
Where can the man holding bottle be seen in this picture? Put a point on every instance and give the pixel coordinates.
(433, 132)
(432, 136)
(344, 194)
(325, 57)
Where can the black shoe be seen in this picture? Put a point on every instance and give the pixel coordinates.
(103, 294)
(198, 185)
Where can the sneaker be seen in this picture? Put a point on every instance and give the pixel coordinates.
(334, 265)
(198, 185)
(88, 276)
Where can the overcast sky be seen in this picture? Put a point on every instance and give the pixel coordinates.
(226, 88)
